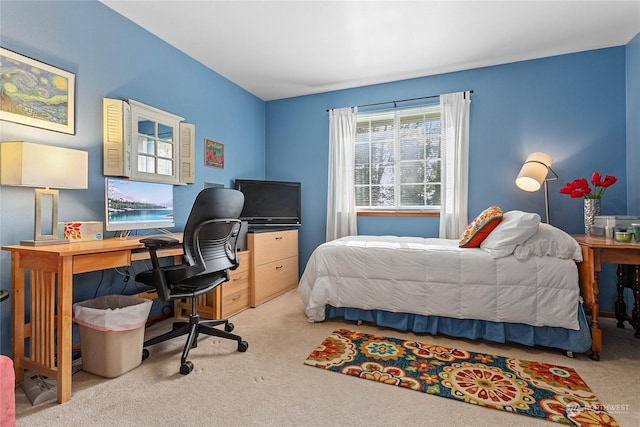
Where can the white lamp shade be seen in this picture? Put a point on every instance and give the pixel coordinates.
(36, 165)
(534, 171)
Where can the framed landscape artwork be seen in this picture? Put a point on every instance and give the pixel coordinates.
(36, 94)
(213, 153)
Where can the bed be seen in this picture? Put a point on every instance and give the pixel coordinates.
(519, 284)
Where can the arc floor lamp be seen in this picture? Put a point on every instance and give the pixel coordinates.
(534, 173)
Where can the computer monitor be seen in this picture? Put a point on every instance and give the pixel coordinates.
(135, 205)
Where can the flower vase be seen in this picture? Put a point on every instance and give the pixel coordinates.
(591, 209)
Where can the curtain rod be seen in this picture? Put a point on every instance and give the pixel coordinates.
(402, 100)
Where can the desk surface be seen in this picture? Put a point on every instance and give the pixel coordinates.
(601, 242)
(88, 247)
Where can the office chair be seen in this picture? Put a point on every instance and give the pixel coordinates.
(209, 251)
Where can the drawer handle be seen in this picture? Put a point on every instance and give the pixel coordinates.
(236, 298)
(279, 238)
(279, 267)
(235, 279)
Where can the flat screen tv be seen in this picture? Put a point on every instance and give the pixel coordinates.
(270, 203)
(134, 205)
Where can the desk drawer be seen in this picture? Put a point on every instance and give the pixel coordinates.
(101, 261)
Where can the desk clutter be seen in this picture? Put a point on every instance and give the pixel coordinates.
(78, 231)
(621, 228)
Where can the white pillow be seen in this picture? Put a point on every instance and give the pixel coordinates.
(549, 241)
(515, 228)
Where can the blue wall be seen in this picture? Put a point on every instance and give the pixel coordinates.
(113, 57)
(580, 108)
(570, 106)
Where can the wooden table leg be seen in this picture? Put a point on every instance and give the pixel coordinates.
(596, 332)
(620, 307)
(17, 316)
(589, 270)
(635, 314)
(65, 343)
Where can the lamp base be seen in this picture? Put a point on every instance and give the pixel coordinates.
(43, 242)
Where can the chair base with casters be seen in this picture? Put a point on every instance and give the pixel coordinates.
(193, 328)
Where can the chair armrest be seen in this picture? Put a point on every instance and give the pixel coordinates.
(158, 241)
(160, 279)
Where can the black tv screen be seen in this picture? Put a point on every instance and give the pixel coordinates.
(270, 203)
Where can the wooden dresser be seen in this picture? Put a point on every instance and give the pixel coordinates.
(274, 266)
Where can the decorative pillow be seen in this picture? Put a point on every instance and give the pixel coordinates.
(515, 228)
(480, 227)
(549, 241)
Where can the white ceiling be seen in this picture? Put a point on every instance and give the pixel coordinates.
(280, 49)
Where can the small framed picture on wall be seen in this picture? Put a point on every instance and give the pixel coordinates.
(213, 153)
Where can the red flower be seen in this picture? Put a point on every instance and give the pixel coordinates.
(580, 187)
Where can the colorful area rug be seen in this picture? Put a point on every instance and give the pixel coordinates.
(540, 390)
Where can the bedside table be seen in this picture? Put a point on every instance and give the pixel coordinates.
(595, 252)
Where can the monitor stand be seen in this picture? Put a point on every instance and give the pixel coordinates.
(126, 234)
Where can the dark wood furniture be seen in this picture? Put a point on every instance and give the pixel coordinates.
(628, 276)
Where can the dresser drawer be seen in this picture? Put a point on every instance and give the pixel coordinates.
(235, 298)
(274, 278)
(228, 298)
(244, 264)
(267, 247)
(235, 293)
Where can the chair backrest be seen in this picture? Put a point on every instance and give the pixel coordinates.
(211, 231)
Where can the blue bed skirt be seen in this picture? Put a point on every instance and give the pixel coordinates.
(565, 339)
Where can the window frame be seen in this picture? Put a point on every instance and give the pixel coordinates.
(397, 209)
(144, 113)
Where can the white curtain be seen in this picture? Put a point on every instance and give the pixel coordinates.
(455, 163)
(341, 210)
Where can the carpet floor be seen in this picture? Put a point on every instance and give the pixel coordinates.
(269, 385)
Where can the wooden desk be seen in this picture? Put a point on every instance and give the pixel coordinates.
(595, 252)
(50, 351)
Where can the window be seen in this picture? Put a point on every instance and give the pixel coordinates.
(155, 143)
(143, 143)
(398, 159)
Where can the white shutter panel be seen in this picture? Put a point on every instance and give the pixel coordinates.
(113, 137)
(187, 153)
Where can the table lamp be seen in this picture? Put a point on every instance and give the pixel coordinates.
(48, 168)
(534, 173)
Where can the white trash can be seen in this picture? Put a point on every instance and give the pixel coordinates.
(111, 333)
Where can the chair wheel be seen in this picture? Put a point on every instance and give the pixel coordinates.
(243, 346)
(229, 327)
(186, 368)
(145, 354)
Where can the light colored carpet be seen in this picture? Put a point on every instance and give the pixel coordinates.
(269, 385)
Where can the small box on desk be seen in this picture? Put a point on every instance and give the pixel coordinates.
(78, 231)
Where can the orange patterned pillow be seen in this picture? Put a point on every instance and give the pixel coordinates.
(480, 227)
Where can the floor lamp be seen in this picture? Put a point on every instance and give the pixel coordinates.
(534, 173)
(48, 169)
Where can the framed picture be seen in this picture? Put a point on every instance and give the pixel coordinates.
(36, 94)
(213, 153)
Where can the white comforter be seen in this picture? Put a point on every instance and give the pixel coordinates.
(436, 277)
